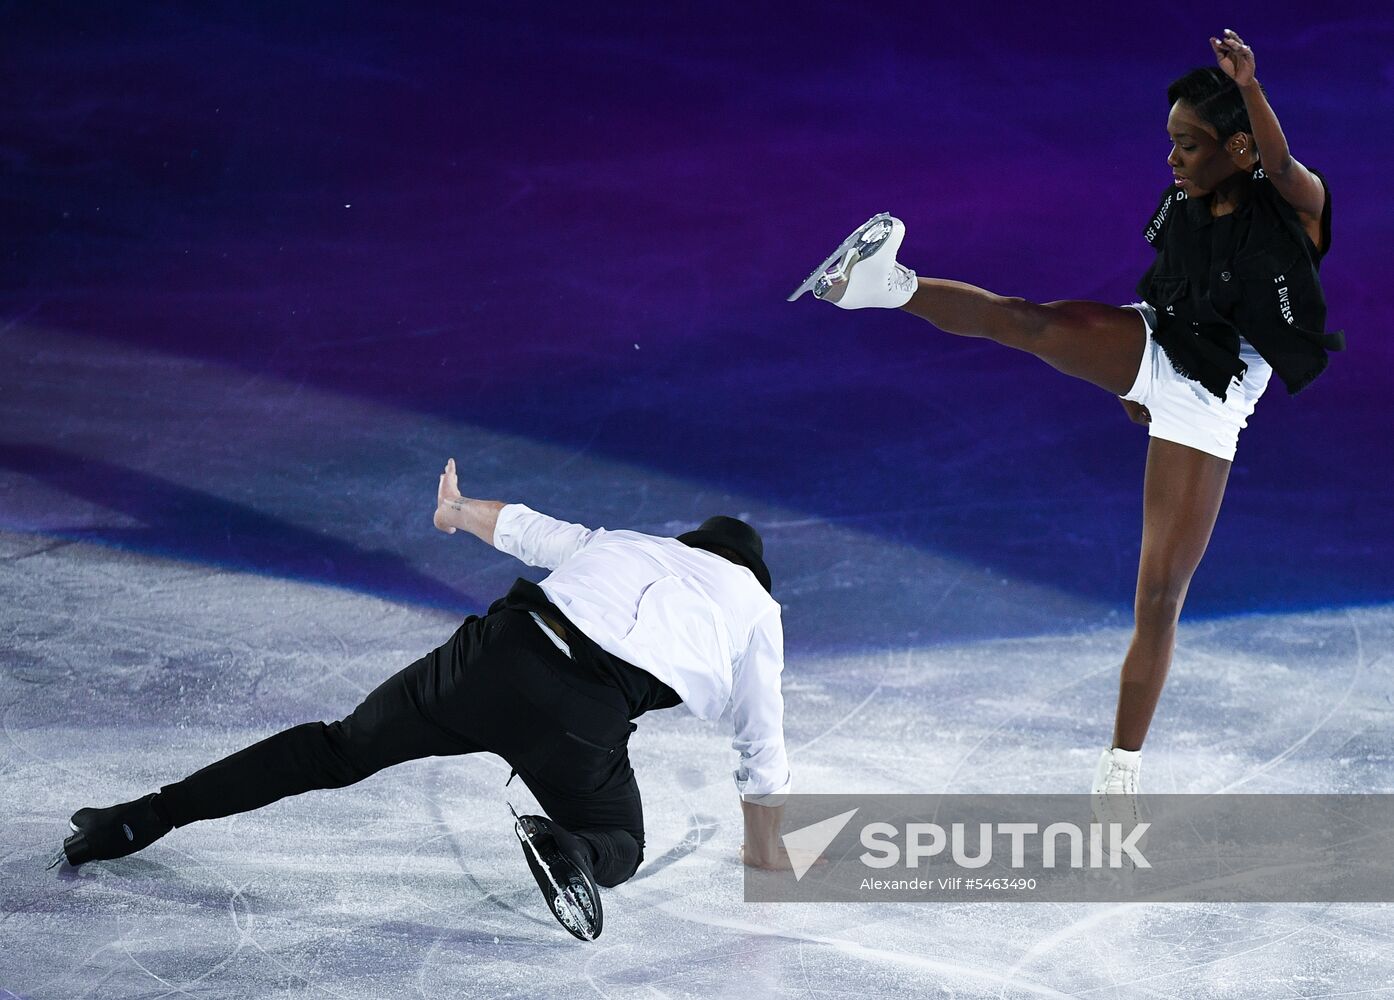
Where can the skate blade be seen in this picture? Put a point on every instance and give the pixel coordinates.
(575, 912)
(571, 913)
(843, 257)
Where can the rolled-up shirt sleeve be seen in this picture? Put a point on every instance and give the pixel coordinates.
(757, 715)
(537, 539)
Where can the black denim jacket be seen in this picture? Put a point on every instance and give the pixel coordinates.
(1253, 272)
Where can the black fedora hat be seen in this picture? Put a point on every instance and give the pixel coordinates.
(736, 537)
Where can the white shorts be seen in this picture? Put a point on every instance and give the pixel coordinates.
(1184, 411)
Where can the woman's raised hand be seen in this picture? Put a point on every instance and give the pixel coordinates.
(1234, 57)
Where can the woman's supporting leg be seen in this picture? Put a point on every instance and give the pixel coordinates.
(1182, 491)
(1099, 343)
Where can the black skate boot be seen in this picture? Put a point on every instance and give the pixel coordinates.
(563, 873)
(114, 832)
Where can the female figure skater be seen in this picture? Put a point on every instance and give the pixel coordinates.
(1232, 297)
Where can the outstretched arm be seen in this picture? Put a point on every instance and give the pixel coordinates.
(1299, 187)
(453, 511)
(514, 528)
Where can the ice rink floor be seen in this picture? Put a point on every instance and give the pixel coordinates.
(123, 672)
(125, 669)
(266, 266)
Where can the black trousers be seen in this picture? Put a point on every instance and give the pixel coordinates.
(498, 685)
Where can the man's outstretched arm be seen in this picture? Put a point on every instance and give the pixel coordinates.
(453, 511)
(513, 528)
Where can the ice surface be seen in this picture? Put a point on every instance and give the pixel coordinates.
(224, 399)
(196, 557)
(124, 671)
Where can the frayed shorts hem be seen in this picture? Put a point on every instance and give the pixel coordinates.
(1183, 411)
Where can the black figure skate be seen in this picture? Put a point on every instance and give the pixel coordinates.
(114, 832)
(563, 874)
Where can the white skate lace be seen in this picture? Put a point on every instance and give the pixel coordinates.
(1120, 781)
(901, 279)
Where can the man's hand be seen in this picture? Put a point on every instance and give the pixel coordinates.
(1136, 412)
(776, 861)
(1234, 57)
(447, 491)
(763, 848)
(453, 511)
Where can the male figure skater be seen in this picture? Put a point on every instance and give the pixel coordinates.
(550, 680)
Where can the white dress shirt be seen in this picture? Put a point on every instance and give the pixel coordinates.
(699, 623)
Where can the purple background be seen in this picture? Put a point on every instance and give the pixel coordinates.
(580, 227)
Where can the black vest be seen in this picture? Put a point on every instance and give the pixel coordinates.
(642, 690)
(1253, 272)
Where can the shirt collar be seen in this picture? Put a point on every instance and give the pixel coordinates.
(1198, 212)
(1198, 209)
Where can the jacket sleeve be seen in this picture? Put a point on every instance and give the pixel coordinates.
(757, 715)
(537, 539)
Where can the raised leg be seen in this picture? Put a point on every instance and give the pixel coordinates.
(1182, 491)
(1099, 343)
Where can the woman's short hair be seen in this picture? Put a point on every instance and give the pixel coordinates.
(1215, 98)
